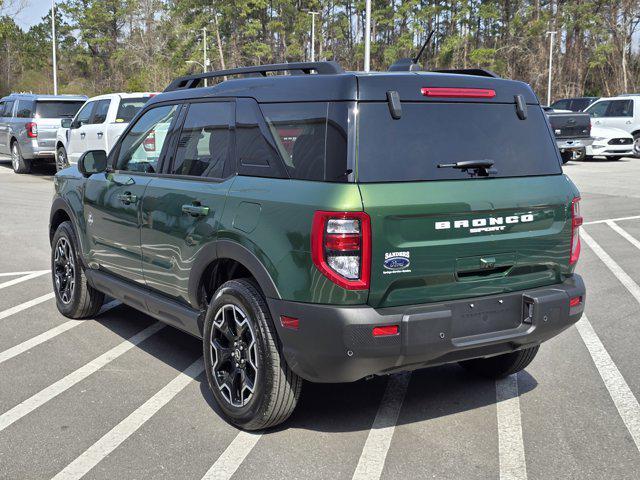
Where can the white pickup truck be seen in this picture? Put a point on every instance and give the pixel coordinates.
(97, 125)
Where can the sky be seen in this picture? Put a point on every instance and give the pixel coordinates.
(32, 13)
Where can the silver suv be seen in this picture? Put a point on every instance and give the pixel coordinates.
(28, 126)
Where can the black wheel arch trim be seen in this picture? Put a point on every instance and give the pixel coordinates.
(234, 251)
(59, 204)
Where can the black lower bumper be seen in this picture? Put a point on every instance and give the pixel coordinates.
(336, 344)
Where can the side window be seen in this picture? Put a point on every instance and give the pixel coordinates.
(620, 108)
(255, 149)
(598, 109)
(100, 111)
(140, 149)
(84, 114)
(25, 109)
(203, 147)
(8, 109)
(1, 109)
(312, 138)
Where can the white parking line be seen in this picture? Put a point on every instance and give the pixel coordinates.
(49, 334)
(619, 219)
(24, 278)
(611, 264)
(621, 394)
(118, 434)
(23, 306)
(622, 232)
(232, 457)
(513, 465)
(43, 396)
(374, 452)
(15, 274)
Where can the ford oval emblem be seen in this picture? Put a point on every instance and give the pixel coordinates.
(396, 263)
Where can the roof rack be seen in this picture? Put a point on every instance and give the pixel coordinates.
(478, 72)
(305, 68)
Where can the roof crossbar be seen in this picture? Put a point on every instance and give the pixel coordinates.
(296, 68)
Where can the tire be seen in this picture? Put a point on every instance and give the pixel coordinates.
(18, 162)
(62, 161)
(636, 144)
(75, 298)
(246, 372)
(566, 156)
(501, 365)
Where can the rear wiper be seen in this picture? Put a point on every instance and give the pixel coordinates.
(481, 168)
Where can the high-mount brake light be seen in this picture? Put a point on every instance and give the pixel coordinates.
(341, 247)
(32, 129)
(451, 92)
(576, 221)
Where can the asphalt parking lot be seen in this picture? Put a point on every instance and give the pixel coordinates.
(121, 396)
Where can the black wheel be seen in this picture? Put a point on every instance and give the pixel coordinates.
(18, 162)
(246, 371)
(62, 161)
(566, 156)
(636, 144)
(74, 297)
(501, 365)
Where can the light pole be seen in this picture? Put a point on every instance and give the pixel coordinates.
(313, 34)
(367, 36)
(551, 38)
(53, 42)
(204, 48)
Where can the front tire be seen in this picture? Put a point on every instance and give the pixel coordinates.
(18, 162)
(501, 365)
(245, 368)
(62, 161)
(75, 298)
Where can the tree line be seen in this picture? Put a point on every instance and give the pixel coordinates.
(131, 45)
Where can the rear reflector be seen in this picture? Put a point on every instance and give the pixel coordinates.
(575, 301)
(385, 331)
(289, 322)
(458, 92)
(576, 221)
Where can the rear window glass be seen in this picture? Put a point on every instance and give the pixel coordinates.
(57, 109)
(128, 108)
(429, 134)
(311, 138)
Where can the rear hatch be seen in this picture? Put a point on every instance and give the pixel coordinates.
(440, 233)
(48, 116)
(570, 125)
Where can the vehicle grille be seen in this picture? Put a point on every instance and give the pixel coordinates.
(621, 141)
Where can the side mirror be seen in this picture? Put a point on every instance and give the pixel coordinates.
(66, 122)
(93, 161)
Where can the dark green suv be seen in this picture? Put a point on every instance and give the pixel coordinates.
(328, 226)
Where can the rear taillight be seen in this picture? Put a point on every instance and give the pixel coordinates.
(149, 143)
(32, 129)
(458, 92)
(341, 247)
(576, 221)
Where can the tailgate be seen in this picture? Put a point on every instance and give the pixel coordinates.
(47, 131)
(570, 125)
(435, 241)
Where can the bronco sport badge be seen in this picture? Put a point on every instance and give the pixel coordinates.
(489, 224)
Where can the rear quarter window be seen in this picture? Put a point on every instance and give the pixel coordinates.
(431, 134)
(54, 109)
(128, 108)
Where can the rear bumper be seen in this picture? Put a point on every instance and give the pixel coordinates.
(31, 150)
(336, 344)
(573, 143)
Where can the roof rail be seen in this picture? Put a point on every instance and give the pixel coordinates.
(478, 72)
(321, 68)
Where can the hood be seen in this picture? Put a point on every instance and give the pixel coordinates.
(607, 132)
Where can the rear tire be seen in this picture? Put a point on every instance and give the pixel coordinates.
(18, 162)
(245, 368)
(62, 161)
(501, 365)
(566, 156)
(75, 298)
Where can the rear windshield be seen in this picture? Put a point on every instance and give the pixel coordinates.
(429, 134)
(53, 109)
(128, 108)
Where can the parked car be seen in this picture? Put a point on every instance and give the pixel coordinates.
(611, 143)
(28, 126)
(618, 112)
(576, 104)
(97, 125)
(328, 227)
(572, 131)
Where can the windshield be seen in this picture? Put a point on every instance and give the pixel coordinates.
(432, 134)
(129, 107)
(57, 109)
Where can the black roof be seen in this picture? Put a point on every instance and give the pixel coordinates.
(326, 81)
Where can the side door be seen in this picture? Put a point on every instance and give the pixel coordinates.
(77, 143)
(181, 209)
(5, 134)
(113, 199)
(620, 115)
(95, 129)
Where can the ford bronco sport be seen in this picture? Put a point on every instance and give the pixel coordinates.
(328, 226)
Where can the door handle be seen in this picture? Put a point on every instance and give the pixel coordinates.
(195, 210)
(99, 134)
(82, 134)
(127, 198)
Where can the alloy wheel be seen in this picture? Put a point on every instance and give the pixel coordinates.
(15, 157)
(234, 355)
(64, 270)
(61, 160)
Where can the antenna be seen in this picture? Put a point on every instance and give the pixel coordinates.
(424, 45)
(411, 64)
